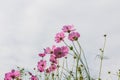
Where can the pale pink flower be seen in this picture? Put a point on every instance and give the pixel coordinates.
(52, 68)
(12, 75)
(41, 65)
(59, 37)
(42, 54)
(50, 50)
(53, 58)
(68, 28)
(61, 51)
(73, 36)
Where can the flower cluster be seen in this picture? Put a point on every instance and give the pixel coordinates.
(48, 66)
(12, 75)
(73, 36)
(55, 53)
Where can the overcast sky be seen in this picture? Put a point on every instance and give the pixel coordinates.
(28, 26)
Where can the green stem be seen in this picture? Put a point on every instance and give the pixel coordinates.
(68, 72)
(58, 70)
(62, 68)
(67, 64)
(88, 75)
(65, 43)
(77, 67)
(79, 47)
(100, 68)
(73, 65)
(69, 47)
(75, 47)
(101, 59)
(53, 77)
(77, 58)
(86, 67)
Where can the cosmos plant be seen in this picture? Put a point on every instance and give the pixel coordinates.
(66, 62)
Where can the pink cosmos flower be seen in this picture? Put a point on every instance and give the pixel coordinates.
(61, 51)
(8, 76)
(50, 50)
(12, 75)
(42, 54)
(68, 28)
(73, 36)
(34, 77)
(41, 65)
(53, 67)
(53, 58)
(59, 37)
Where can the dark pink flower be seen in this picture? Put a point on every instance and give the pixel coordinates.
(61, 51)
(41, 65)
(42, 54)
(8, 76)
(59, 37)
(50, 50)
(12, 75)
(53, 58)
(73, 36)
(34, 77)
(53, 67)
(68, 28)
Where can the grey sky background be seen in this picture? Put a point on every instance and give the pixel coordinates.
(28, 26)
